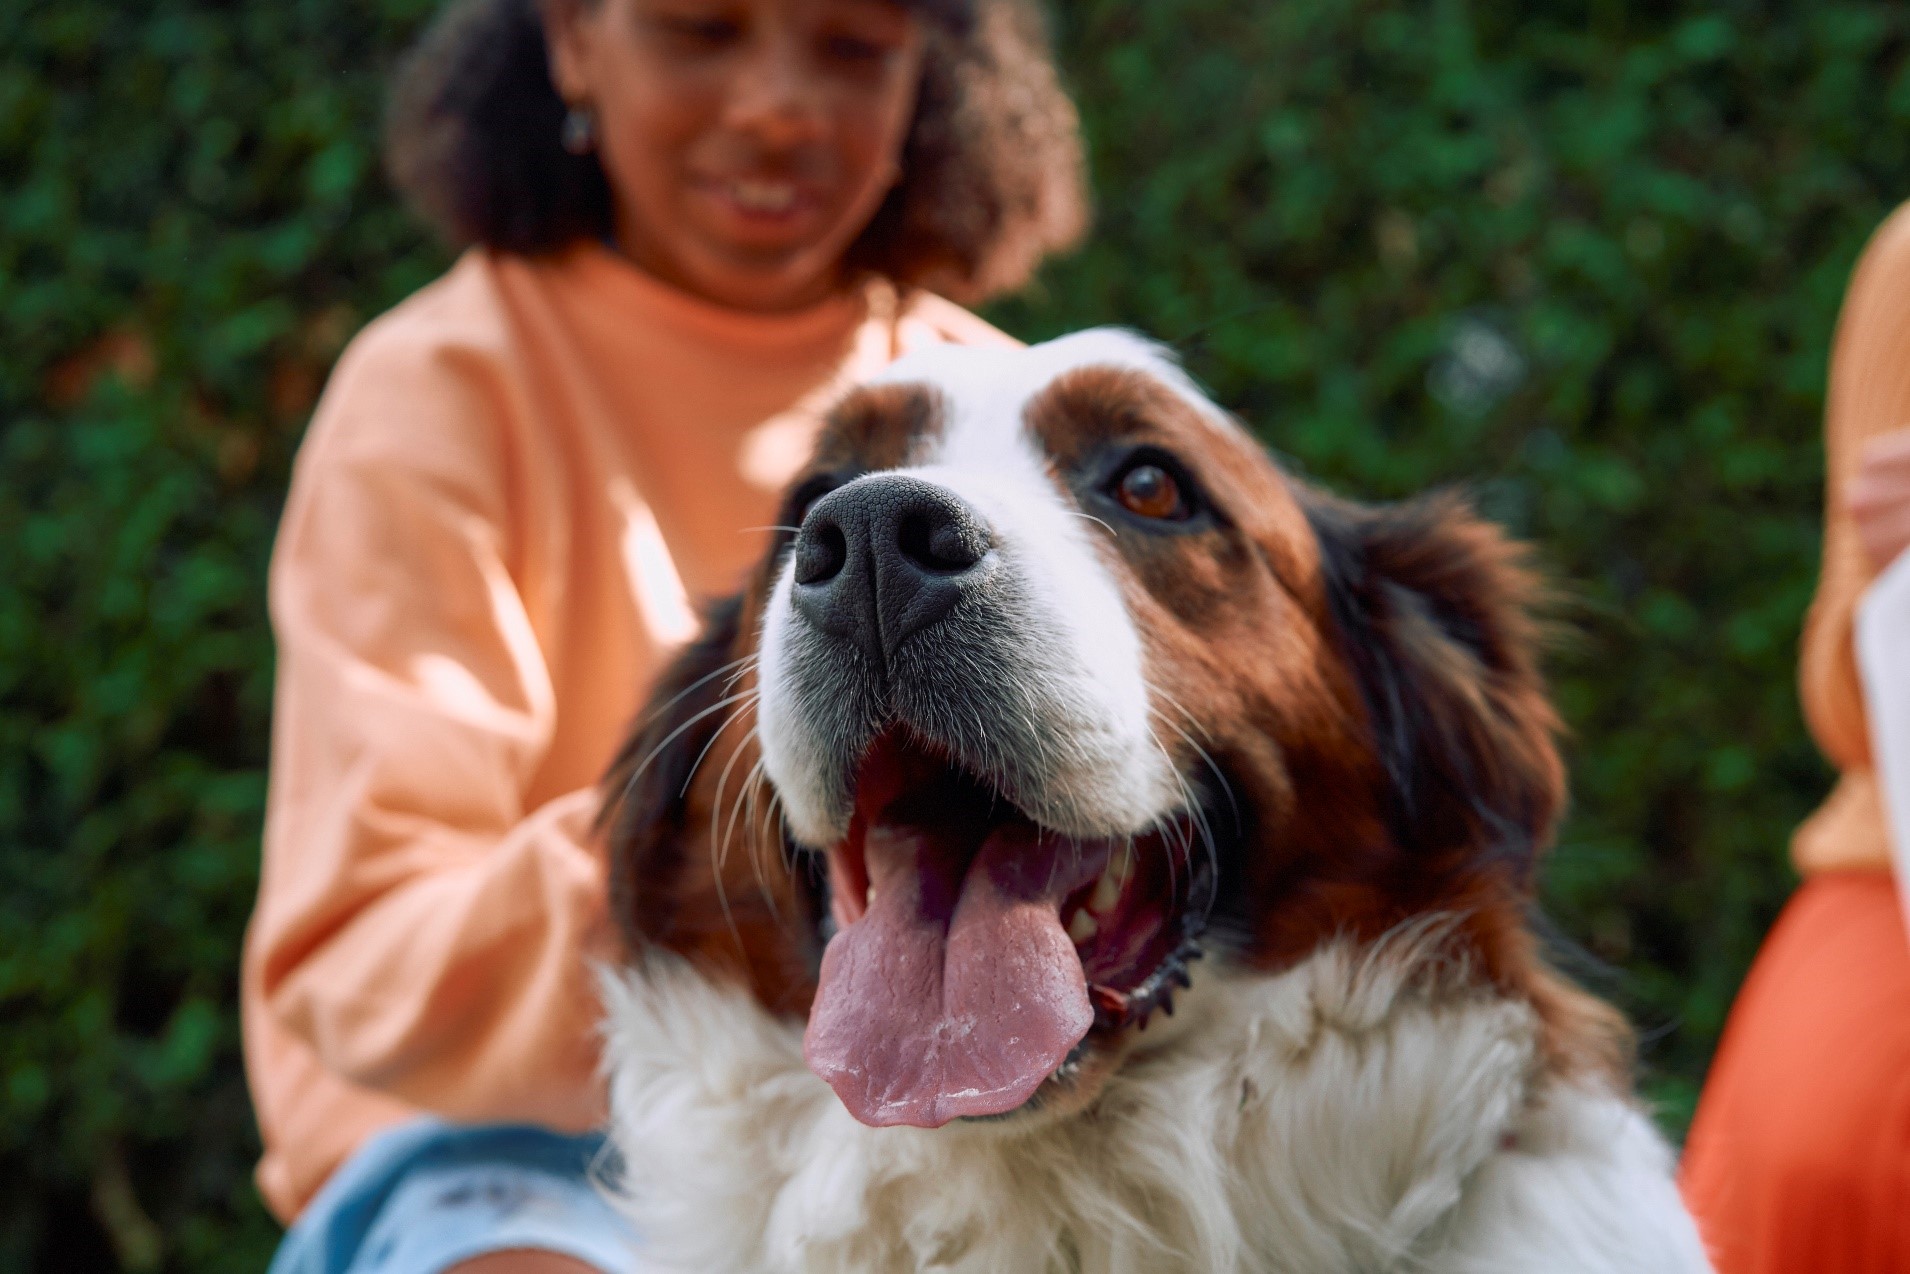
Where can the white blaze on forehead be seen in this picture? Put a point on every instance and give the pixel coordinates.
(986, 390)
(986, 454)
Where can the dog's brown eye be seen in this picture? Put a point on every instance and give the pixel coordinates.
(1149, 491)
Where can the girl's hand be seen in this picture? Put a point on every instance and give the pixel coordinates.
(1878, 497)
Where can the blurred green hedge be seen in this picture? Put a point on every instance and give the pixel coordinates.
(1584, 256)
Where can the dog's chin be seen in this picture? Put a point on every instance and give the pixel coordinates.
(981, 968)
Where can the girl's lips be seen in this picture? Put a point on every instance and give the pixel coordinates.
(770, 208)
(763, 196)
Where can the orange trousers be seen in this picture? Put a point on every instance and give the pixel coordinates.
(1799, 1157)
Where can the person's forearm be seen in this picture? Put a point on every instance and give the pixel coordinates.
(465, 988)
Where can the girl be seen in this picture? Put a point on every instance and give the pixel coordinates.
(693, 222)
(1799, 1157)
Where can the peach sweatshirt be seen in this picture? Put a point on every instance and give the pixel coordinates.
(1869, 394)
(514, 487)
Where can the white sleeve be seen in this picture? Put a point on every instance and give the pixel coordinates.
(1883, 661)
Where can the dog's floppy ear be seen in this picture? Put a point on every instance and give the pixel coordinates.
(1435, 605)
(646, 791)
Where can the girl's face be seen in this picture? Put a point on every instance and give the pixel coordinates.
(747, 142)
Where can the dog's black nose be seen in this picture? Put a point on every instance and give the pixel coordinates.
(884, 557)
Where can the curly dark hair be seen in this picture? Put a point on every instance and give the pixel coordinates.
(992, 169)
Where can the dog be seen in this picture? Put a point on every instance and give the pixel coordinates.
(1084, 846)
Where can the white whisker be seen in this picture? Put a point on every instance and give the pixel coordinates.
(1196, 815)
(674, 699)
(752, 845)
(719, 851)
(744, 703)
(1089, 517)
(637, 773)
(1226, 788)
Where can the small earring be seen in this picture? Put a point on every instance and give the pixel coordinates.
(579, 132)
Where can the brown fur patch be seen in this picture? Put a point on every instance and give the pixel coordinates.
(878, 427)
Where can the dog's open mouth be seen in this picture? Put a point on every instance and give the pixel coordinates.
(976, 950)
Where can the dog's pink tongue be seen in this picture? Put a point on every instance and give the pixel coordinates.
(958, 992)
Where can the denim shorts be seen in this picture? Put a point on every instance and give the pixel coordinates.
(425, 1195)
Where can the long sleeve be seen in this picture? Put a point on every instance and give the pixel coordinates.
(422, 925)
(1869, 394)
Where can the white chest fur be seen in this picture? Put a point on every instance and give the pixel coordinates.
(1357, 1113)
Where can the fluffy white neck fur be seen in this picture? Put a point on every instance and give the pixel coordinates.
(1364, 1111)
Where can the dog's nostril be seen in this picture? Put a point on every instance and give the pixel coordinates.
(821, 551)
(884, 557)
(937, 544)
